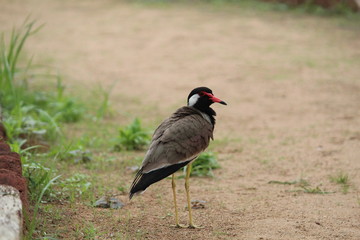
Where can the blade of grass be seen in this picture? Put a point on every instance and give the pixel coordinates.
(34, 221)
(51, 120)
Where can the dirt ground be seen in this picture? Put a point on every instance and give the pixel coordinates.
(292, 84)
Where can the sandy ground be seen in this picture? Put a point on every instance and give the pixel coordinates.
(292, 84)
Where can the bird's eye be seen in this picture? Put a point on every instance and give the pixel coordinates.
(202, 94)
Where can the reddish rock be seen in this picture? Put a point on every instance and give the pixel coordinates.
(4, 147)
(11, 162)
(11, 168)
(15, 180)
(11, 154)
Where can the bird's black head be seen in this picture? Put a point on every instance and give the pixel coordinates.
(201, 98)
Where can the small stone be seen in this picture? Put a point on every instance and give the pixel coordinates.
(109, 202)
(102, 203)
(115, 203)
(198, 204)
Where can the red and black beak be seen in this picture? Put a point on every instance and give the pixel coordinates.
(218, 100)
(214, 99)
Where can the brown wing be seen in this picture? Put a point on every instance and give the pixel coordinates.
(178, 139)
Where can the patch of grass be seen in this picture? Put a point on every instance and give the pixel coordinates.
(203, 166)
(103, 109)
(73, 152)
(28, 113)
(132, 137)
(76, 186)
(122, 188)
(85, 231)
(304, 186)
(341, 179)
(38, 177)
(64, 108)
(12, 92)
(28, 122)
(314, 190)
(33, 222)
(78, 156)
(33, 120)
(300, 183)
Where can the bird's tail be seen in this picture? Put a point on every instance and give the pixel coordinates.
(143, 180)
(134, 185)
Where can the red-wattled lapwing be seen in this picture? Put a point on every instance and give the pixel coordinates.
(177, 142)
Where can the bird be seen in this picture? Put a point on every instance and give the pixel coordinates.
(176, 143)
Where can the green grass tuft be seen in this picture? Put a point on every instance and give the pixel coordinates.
(315, 190)
(204, 165)
(132, 137)
(341, 179)
(33, 120)
(303, 186)
(33, 222)
(76, 186)
(30, 114)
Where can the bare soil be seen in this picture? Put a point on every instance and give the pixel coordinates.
(292, 84)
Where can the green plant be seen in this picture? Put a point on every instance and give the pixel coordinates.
(121, 188)
(32, 118)
(30, 114)
(40, 182)
(303, 185)
(314, 190)
(341, 179)
(204, 164)
(12, 84)
(74, 186)
(86, 230)
(104, 107)
(33, 222)
(132, 137)
(37, 175)
(74, 152)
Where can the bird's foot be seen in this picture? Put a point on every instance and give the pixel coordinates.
(178, 225)
(193, 226)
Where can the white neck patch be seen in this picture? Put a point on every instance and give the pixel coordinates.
(192, 101)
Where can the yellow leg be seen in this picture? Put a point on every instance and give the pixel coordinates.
(175, 204)
(188, 171)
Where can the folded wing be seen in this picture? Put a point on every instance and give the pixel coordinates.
(176, 142)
